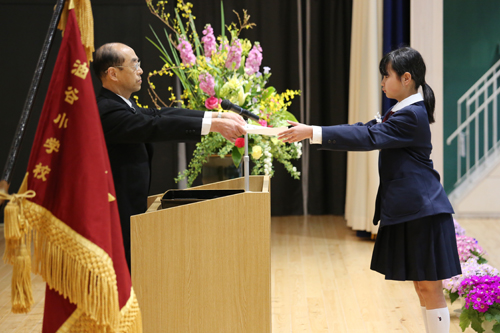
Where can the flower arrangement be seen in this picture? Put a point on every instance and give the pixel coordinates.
(227, 67)
(478, 286)
(469, 268)
(469, 248)
(482, 302)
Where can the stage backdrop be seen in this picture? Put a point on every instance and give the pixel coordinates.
(25, 22)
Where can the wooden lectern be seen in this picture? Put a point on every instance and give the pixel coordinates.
(205, 266)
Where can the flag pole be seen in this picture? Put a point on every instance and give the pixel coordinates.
(28, 104)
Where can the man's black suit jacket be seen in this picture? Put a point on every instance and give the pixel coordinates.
(129, 133)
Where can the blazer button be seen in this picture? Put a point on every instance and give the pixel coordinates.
(333, 141)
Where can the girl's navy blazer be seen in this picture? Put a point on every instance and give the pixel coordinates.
(409, 186)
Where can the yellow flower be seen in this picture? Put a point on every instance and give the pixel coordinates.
(246, 45)
(241, 96)
(256, 152)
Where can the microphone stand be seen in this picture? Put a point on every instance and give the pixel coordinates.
(246, 161)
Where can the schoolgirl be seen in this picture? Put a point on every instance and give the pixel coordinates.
(416, 239)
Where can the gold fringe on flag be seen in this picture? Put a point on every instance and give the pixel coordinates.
(130, 320)
(68, 262)
(74, 266)
(85, 19)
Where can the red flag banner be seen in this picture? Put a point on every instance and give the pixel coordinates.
(72, 222)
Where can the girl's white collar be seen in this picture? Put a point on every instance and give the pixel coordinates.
(407, 101)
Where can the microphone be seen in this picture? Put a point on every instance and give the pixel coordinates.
(227, 105)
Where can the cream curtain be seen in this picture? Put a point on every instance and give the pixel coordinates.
(364, 103)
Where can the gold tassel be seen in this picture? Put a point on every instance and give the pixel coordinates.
(22, 293)
(11, 221)
(85, 19)
(15, 225)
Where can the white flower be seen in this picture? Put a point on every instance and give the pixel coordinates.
(378, 118)
(267, 70)
(294, 169)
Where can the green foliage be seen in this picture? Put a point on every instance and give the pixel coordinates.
(454, 296)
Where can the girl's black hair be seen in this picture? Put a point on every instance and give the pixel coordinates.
(404, 60)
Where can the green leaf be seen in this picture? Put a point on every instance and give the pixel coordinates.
(453, 297)
(218, 85)
(241, 69)
(289, 116)
(496, 327)
(237, 155)
(180, 23)
(481, 261)
(476, 321)
(268, 92)
(173, 49)
(223, 30)
(196, 38)
(248, 87)
(492, 314)
(464, 319)
(217, 70)
(162, 50)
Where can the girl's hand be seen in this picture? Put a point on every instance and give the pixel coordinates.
(297, 133)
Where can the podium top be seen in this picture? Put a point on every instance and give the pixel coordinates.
(257, 184)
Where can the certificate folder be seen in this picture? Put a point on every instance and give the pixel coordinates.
(173, 198)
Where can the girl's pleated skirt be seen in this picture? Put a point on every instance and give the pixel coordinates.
(418, 250)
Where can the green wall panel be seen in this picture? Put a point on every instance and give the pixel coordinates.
(471, 47)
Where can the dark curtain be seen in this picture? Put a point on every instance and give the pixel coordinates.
(396, 32)
(329, 97)
(25, 23)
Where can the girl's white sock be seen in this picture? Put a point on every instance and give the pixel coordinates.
(438, 320)
(424, 314)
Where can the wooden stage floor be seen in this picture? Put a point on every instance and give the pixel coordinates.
(321, 281)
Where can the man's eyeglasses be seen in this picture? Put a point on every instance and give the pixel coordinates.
(135, 66)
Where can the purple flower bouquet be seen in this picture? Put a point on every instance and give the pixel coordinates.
(469, 268)
(482, 302)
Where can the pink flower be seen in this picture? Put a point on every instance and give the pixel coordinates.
(234, 56)
(186, 51)
(212, 103)
(208, 41)
(240, 142)
(468, 248)
(263, 122)
(207, 83)
(254, 60)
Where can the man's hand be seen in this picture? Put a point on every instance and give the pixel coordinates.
(236, 117)
(297, 133)
(231, 115)
(228, 128)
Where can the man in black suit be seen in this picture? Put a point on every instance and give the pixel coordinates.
(129, 130)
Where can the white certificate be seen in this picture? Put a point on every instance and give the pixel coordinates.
(269, 131)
